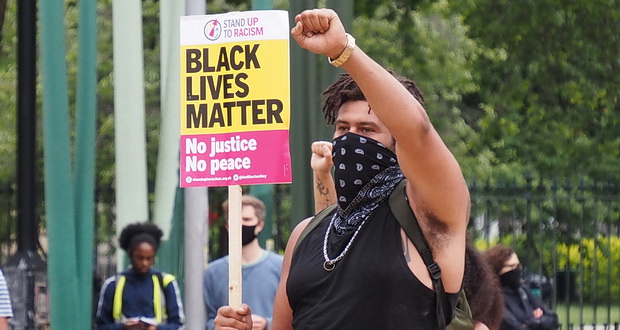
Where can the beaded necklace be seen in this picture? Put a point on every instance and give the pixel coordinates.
(330, 264)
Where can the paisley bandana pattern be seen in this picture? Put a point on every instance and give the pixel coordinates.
(365, 174)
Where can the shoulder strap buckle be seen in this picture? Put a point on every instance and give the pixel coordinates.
(434, 270)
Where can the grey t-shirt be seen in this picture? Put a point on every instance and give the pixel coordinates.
(259, 286)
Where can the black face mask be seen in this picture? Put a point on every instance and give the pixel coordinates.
(357, 161)
(511, 278)
(247, 234)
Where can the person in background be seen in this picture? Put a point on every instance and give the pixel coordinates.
(483, 291)
(260, 271)
(523, 311)
(358, 269)
(141, 297)
(6, 311)
(482, 288)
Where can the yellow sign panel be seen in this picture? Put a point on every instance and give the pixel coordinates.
(235, 87)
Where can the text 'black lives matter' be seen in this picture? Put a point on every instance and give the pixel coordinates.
(226, 86)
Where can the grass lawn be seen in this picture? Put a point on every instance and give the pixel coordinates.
(587, 315)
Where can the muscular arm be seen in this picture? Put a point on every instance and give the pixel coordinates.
(436, 189)
(436, 185)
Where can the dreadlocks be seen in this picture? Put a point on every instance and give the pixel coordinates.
(344, 89)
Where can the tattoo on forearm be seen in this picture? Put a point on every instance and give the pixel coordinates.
(323, 191)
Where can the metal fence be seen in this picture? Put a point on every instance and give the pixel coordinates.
(567, 236)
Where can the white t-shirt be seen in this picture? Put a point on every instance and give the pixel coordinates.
(5, 301)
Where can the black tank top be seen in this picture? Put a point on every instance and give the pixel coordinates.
(372, 287)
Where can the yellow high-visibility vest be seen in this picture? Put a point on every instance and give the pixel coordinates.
(159, 304)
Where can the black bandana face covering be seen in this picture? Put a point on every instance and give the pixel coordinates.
(365, 173)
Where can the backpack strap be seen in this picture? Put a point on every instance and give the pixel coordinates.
(407, 220)
(159, 295)
(117, 304)
(314, 222)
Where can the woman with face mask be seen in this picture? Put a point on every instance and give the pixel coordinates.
(260, 270)
(140, 297)
(523, 309)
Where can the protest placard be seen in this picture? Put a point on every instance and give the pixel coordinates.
(235, 110)
(235, 99)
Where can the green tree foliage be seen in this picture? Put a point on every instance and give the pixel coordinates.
(550, 106)
(512, 87)
(8, 95)
(432, 48)
(541, 93)
(223, 6)
(369, 7)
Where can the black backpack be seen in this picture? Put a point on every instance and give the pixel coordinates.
(400, 208)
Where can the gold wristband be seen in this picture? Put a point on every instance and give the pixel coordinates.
(345, 53)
